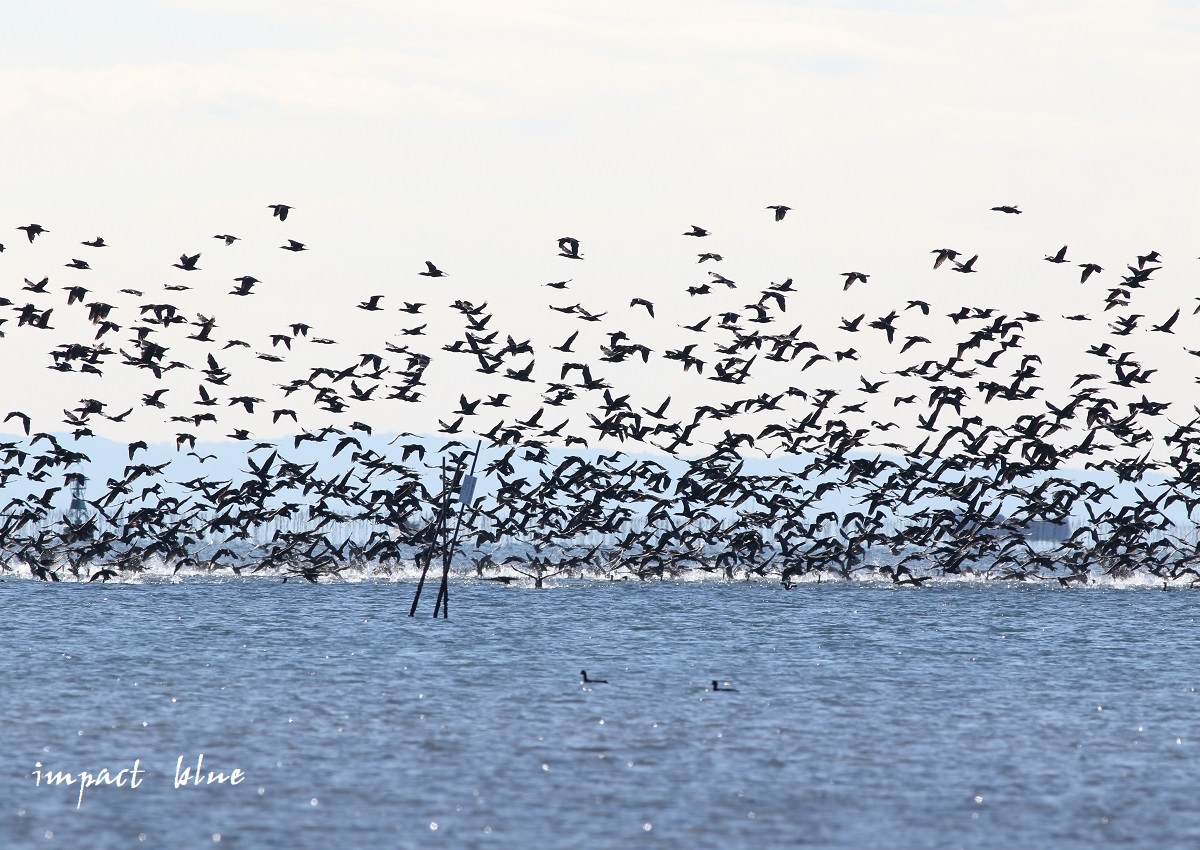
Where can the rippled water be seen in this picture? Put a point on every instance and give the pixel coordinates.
(958, 715)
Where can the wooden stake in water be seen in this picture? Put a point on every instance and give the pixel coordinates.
(465, 493)
(440, 526)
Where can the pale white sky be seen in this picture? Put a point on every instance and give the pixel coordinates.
(475, 134)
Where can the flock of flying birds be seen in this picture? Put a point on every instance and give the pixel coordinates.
(618, 489)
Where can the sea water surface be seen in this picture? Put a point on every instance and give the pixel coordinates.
(974, 715)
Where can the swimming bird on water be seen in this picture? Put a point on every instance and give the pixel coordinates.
(716, 686)
(588, 681)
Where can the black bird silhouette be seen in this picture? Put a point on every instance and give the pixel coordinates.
(227, 238)
(851, 277)
(642, 302)
(245, 282)
(780, 211)
(566, 346)
(968, 266)
(293, 245)
(280, 211)
(943, 254)
(568, 246)
(716, 686)
(697, 231)
(465, 407)
(1089, 269)
(25, 420)
(188, 264)
(1011, 209)
(432, 271)
(1060, 257)
(1165, 327)
(98, 242)
(588, 681)
(32, 231)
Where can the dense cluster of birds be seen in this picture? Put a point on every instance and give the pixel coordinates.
(619, 489)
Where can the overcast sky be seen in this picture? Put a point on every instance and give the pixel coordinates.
(475, 134)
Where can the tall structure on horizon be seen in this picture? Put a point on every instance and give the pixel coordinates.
(77, 514)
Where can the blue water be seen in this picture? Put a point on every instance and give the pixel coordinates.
(958, 715)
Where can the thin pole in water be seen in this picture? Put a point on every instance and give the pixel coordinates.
(428, 554)
(467, 490)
